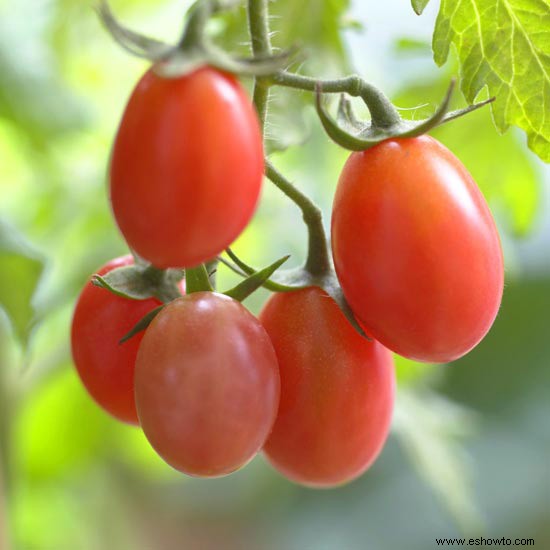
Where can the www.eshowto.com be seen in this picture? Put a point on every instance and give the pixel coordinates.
(483, 541)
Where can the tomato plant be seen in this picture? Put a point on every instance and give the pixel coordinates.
(416, 264)
(206, 384)
(416, 249)
(337, 391)
(186, 167)
(106, 367)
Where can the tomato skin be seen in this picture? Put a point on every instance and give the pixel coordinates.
(207, 384)
(186, 168)
(337, 391)
(416, 249)
(106, 367)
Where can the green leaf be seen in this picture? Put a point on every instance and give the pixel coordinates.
(20, 271)
(419, 6)
(506, 47)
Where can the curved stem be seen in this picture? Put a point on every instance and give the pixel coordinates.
(382, 111)
(318, 259)
(193, 34)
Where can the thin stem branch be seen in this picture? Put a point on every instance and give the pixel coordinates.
(318, 261)
(382, 111)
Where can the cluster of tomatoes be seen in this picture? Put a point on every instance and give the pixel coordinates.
(415, 250)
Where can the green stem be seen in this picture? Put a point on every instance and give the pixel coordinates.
(318, 260)
(193, 34)
(261, 46)
(197, 280)
(258, 27)
(382, 111)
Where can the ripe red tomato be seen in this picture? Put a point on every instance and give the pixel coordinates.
(207, 384)
(337, 391)
(416, 249)
(106, 367)
(186, 167)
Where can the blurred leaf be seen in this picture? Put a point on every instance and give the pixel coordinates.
(60, 428)
(20, 271)
(312, 25)
(506, 47)
(433, 430)
(32, 94)
(512, 360)
(500, 165)
(419, 5)
(412, 45)
(409, 372)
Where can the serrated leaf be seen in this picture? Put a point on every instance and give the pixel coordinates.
(20, 272)
(504, 45)
(419, 6)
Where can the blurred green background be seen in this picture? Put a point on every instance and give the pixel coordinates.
(470, 444)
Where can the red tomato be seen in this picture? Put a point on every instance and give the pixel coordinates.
(106, 367)
(186, 167)
(416, 249)
(207, 384)
(337, 391)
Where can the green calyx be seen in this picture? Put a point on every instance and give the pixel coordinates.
(193, 50)
(350, 133)
(296, 279)
(254, 280)
(134, 284)
(141, 282)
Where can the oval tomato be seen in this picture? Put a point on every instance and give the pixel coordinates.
(416, 249)
(207, 384)
(337, 391)
(186, 168)
(106, 367)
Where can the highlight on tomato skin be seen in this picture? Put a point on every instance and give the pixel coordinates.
(206, 384)
(416, 249)
(187, 167)
(337, 391)
(106, 367)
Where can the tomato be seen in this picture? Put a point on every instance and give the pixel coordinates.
(416, 249)
(337, 391)
(106, 367)
(207, 384)
(186, 168)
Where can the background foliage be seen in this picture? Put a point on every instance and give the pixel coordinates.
(469, 447)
